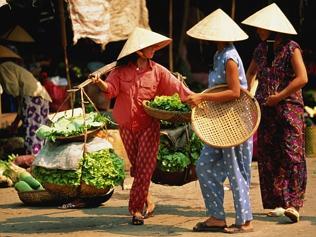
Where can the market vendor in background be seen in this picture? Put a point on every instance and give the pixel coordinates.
(31, 97)
(138, 78)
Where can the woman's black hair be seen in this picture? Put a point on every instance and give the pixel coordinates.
(125, 60)
(285, 38)
(270, 55)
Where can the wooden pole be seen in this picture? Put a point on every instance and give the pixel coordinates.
(184, 26)
(233, 9)
(64, 42)
(170, 35)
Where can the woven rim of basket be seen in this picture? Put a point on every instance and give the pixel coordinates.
(35, 196)
(145, 104)
(196, 128)
(89, 133)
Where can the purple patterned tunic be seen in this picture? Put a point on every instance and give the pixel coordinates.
(281, 159)
(34, 113)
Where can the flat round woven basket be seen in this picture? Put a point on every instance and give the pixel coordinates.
(171, 116)
(78, 138)
(62, 191)
(39, 198)
(226, 124)
(88, 190)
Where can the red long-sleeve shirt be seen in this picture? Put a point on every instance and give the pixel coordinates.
(131, 86)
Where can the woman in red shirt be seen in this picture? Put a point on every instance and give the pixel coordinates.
(139, 78)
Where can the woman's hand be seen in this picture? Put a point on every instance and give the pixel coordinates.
(272, 100)
(95, 78)
(194, 100)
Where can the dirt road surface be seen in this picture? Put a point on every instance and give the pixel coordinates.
(178, 210)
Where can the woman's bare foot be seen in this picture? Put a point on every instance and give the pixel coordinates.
(212, 221)
(212, 224)
(150, 206)
(234, 229)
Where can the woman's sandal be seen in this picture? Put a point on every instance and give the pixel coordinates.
(137, 220)
(235, 229)
(203, 227)
(293, 214)
(277, 212)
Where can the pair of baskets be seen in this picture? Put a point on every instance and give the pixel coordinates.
(70, 191)
(218, 124)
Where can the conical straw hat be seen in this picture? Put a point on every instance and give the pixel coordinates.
(271, 18)
(217, 26)
(7, 53)
(141, 38)
(18, 34)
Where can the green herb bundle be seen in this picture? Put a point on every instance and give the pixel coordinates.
(169, 103)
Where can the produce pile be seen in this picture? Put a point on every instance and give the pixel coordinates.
(71, 126)
(11, 174)
(100, 169)
(176, 160)
(169, 103)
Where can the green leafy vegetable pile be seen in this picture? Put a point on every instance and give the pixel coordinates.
(100, 169)
(169, 103)
(71, 126)
(170, 160)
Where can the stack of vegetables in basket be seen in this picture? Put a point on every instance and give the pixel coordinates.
(77, 169)
(168, 108)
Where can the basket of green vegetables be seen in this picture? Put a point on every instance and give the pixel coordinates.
(97, 173)
(178, 151)
(72, 129)
(168, 108)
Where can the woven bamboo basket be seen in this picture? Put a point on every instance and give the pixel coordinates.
(171, 116)
(69, 191)
(39, 198)
(310, 141)
(79, 138)
(174, 178)
(95, 201)
(226, 124)
(62, 191)
(89, 191)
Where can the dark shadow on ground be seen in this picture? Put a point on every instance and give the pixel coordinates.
(106, 223)
(111, 219)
